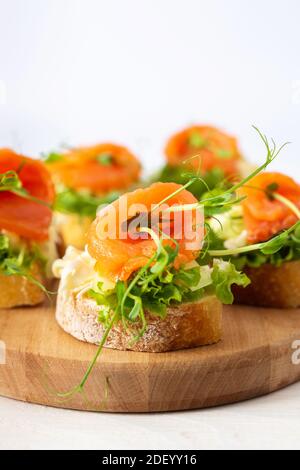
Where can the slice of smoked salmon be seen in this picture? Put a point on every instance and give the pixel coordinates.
(24, 217)
(211, 148)
(265, 216)
(100, 169)
(118, 255)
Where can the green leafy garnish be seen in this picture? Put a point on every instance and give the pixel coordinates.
(222, 153)
(272, 153)
(4, 244)
(52, 157)
(11, 182)
(272, 188)
(196, 140)
(70, 201)
(224, 277)
(19, 261)
(105, 159)
(281, 249)
(180, 175)
(215, 200)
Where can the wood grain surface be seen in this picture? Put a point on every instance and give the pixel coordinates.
(253, 359)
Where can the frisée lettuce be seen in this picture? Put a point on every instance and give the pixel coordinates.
(18, 259)
(155, 293)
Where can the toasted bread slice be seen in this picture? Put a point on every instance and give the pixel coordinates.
(271, 286)
(17, 291)
(186, 326)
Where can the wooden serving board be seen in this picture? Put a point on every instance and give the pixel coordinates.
(253, 359)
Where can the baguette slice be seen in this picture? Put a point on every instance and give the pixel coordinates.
(186, 326)
(17, 291)
(271, 286)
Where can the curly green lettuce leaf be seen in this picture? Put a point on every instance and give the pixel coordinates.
(156, 293)
(18, 261)
(70, 201)
(224, 276)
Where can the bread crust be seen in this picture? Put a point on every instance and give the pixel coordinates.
(189, 325)
(17, 291)
(271, 286)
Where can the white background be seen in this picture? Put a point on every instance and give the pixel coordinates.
(134, 71)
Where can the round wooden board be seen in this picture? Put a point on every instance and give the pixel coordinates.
(253, 359)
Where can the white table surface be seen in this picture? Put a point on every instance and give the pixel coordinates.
(268, 422)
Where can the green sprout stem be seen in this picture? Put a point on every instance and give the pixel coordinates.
(272, 153)
(79, 388)
(236, 251)
(287, 203)
(259, 246)
(175, 193)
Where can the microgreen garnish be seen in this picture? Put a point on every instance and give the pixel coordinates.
(175, 193)
(10, 182)
(19, 262)
(283, 250)
(12, 261)
(70, 201)
(105, 159)
(269, 247)
(220, 200)
(52, 157)
(275, 244)
(80, 387)
(287, 203)
(196, 140)
(181, 175)
(272, 153)
(223, 153)
(271, 188)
